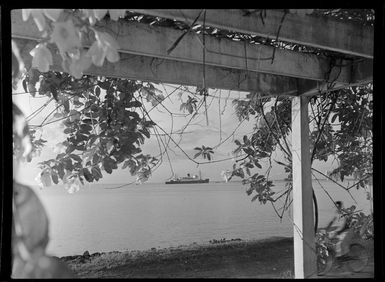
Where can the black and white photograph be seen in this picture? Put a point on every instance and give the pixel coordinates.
(193, 143)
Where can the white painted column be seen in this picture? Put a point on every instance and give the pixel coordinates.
(303, 215)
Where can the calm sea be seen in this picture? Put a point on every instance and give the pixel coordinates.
(139, 217)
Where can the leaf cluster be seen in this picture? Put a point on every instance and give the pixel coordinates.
(352, 142)
(340, 128)
(190, 105)
(204, 151)
(104, 126)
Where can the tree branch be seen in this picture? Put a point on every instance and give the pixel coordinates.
(320, 131)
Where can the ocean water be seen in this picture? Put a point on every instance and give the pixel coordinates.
(139, 217)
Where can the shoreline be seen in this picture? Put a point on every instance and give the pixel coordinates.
(182, 247)
(259, 258)
(218, 258)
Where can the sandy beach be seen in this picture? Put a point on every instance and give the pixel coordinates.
(269, 258)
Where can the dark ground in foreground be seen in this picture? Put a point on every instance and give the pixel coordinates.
(270, 258)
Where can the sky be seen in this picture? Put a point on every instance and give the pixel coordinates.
(222, 123)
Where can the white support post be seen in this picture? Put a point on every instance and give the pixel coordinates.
(304, 244)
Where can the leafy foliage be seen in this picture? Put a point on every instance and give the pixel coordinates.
(359, 222)
(353, 141)
(104, 127)
(341, 128)
(190, 105)
(152, 94)
(204, 151)
(363, 225)
(66, 29)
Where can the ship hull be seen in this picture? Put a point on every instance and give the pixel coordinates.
(198, 181)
